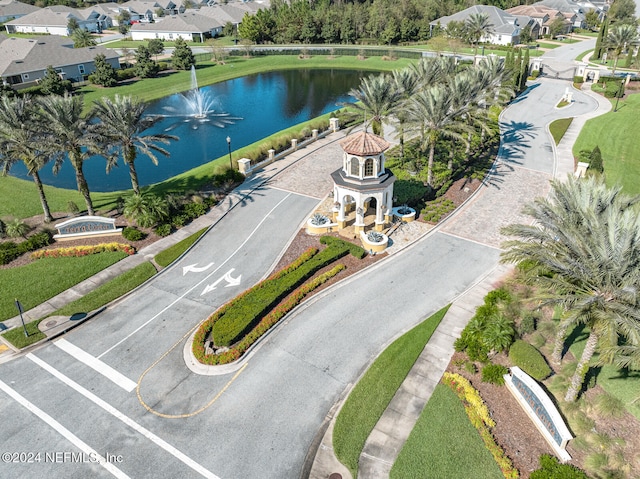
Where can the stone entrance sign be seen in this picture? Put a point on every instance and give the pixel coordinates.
(84, 226)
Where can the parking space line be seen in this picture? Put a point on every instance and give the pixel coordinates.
(123, 418)
(63, 431)
(97, 365)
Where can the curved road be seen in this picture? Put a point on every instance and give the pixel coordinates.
(84, 394)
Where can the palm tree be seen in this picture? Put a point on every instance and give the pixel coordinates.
(433, 70)
(406, 85)
(585, 256)
(62, 119)
(477, 27)
(82, 38)
(378, 98)
(619, 39)
(21, 140)
(121, 123)
(434, 114)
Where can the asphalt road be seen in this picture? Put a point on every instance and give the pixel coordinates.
(118, 384)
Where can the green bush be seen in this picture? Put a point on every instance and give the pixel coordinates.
(527, 324)
(435, 210)
(410, 192)
(193, 210)
(126, 73)
(163, 230)
(178, 221)
(355, 250)
(529, 359)
(578, 79)
(535, 74)
(550, 468)
(10, 250)
(133, 234)
(494, 374)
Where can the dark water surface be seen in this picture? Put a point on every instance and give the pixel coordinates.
(261, 104)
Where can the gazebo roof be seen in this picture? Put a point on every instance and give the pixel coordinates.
(364, 143)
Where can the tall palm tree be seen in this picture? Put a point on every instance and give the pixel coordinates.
(62, 119)
(82, 38)
(477, 27)
(434, 114)
(585, 252)
(406, 85)
(433, 70)
(121, 123)
(378, 98)
(619, 39)
(21, 140)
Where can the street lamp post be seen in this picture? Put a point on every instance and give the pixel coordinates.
(229, 146)
(21, 310)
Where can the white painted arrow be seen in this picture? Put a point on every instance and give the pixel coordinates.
(227, 277)
(192, 268)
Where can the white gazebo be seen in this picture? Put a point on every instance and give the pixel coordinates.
(363, 182)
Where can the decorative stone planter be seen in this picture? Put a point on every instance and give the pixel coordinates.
(319, 224)
(405, 213)
(374, 246)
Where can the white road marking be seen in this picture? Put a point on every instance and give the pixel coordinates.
(227, 277)
(180, 298)
(97, 365)
(64, 432)
(125, 419)
(193, 268)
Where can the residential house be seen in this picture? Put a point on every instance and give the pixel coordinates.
(12, 9)
(544, 16)
(569, 8)
(231, 12)
(506, 27)
(147, 11)
(55, 20)
(24, 61)
(190, 26)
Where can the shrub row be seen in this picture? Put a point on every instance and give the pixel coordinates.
(435, 210)
(550, 467)
(354, 250)
(479, 416)
(77, 251)
(262, 327)
(250, 308)
(132, 233)
(10, 250)
(529, 359)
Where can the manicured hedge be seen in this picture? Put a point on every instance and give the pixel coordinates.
(353, 249)
(77, 251)
(550, 467)
(529, 359)
(249, 308)
(10, 250)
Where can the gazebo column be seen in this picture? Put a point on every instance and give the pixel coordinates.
(388, 206)
(380, 219)
(359, 223)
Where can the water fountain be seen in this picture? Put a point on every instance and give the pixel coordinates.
(197, 107)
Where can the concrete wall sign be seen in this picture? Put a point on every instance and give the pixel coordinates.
(539, 407)
(83, 226)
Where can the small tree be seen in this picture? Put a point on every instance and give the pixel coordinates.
(182, 57)
(51, 83)
(557, 27)
(123, 18)
(72, 24)
(82, 38)
(155, 46)
(526, 35)
(145, 66)
(595, 160)
(228, 30)
(159, 12)
(105, 75)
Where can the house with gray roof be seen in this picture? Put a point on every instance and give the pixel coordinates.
(24, 61)
(190, 26)
(507, 27)
(54, 20)
(12, 9)
(580, 9)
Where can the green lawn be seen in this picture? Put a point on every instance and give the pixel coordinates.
(40, 280)
(109, 291)
(616, 135)
(444, 444)
(624, 385)
(549, 45)
(19, 340)
(169, 255)
(371, 396)
(559, 127)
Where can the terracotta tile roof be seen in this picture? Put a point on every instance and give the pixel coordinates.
(364, 143)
